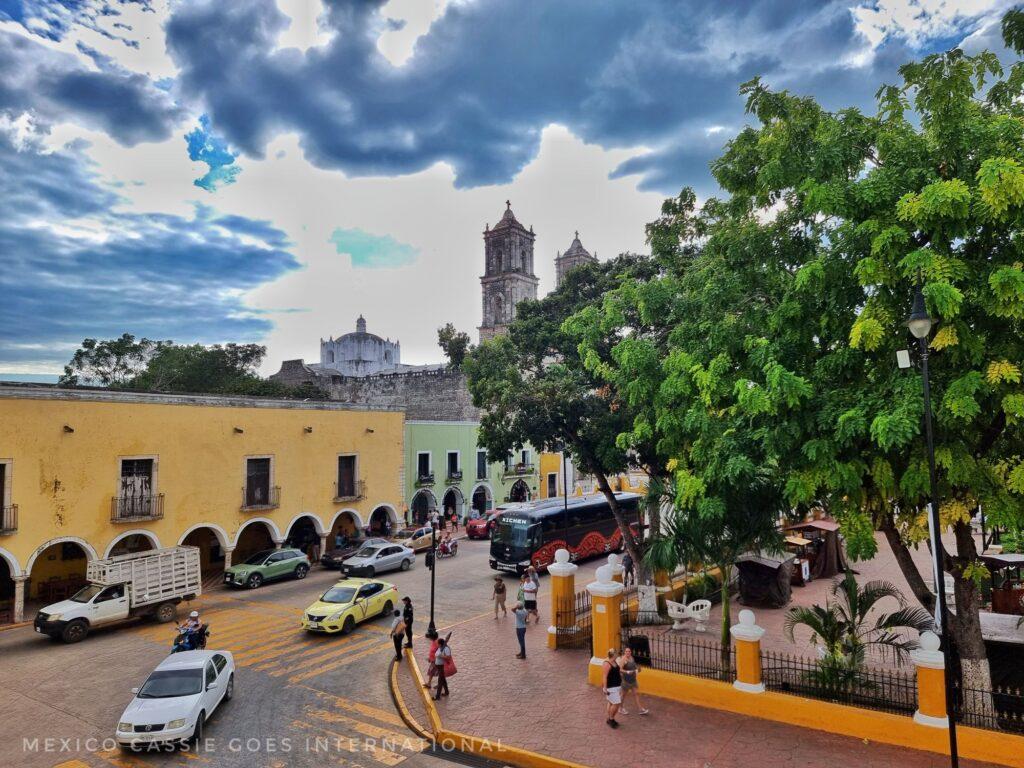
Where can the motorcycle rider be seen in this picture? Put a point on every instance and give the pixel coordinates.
(190, 627)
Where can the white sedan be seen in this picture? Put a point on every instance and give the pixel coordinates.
(177, 699)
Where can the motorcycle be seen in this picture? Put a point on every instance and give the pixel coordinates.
(191, 639)
(450, 551)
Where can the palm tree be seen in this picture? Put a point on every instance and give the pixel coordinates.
(844, 631)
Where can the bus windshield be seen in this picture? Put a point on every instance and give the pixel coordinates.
(516, 532)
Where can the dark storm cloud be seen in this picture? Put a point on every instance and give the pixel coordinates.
(156, 275)
(57, 87)
(489, 76)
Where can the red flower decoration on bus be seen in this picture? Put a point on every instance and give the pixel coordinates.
(545, 556)
(593, 544)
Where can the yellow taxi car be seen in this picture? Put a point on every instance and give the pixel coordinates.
(415, 537)
(349, 602)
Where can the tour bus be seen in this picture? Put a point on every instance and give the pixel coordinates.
(531, 535)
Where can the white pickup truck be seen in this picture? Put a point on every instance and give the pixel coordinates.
(138, 584)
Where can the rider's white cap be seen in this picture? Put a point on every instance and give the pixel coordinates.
(194, 615)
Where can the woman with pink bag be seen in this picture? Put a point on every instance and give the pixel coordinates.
(444, 666)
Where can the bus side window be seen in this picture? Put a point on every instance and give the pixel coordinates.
(551, 523)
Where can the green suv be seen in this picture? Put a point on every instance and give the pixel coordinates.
(267, 565)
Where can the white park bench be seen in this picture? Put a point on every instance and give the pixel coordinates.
(699, 611)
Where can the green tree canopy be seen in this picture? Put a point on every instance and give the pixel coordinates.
(454, 343)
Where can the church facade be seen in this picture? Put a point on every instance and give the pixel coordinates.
(360, 353)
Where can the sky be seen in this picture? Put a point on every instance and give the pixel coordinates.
(267, 170)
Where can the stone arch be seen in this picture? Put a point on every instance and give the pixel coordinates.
(453, 499)
(347, 521)
(317, 523)
(222, 537)
(212, 546)
(153, 540)
(519, 491)
(379, 514)
(275, 532)
(90, 553)
(12, 562)
(482, 498)
(422, 502)
(303, 530)
(255, 535)
(69, 573)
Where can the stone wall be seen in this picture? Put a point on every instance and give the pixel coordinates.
(440, 395)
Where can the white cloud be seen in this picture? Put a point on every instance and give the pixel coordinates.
(918, 21)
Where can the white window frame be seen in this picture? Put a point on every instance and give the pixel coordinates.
(154, 481)
(355, 478)
(430, 462)
(524, 456)
(8, 465)
(273, 469)
(458, 460)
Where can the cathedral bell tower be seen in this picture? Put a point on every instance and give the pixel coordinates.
(508, 273)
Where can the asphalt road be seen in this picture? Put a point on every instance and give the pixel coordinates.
(300, 699)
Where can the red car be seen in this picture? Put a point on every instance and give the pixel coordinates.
(482, 527)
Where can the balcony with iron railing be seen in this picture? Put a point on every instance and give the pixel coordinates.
(515, 470)
(256, 498)
(349, 491)
(129, 509)
(8, 519)
(425, 479)
(454, 475)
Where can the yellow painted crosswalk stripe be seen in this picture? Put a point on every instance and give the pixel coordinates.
(359, 726)
(317, 662)
(375, 647)
(303, 649)
(356, 746)
(383, 715)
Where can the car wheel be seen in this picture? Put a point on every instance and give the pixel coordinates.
(371, 572)
(406, 564)
(166, 612)
(230, 690)
(254, 581)
(197, 734)
(75, 631)
(388, 607)
(301, 571)
(348, 625)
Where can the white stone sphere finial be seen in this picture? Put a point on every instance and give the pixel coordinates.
(929, 641)
(613, 559)
(747, 618)
(604, 574)
(562, 556)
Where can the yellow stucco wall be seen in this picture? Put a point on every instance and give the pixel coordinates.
(549, 462)
(63, 481)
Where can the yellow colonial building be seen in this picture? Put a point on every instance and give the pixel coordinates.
(86, 474)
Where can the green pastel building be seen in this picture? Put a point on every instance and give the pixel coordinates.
(446, 469)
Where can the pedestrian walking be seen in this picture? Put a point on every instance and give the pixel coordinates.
(455, 521)
(407, 617)
(530, 595)
(521, 592)
(627, 570)
(629, 669)
(521, 615)
(499, 597)
(442, 660)
(314, 546)
(612, 688)
(397, 633)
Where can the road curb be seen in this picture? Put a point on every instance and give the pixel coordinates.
(19, 625)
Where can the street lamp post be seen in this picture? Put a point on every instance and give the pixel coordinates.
(920, 325)
(565, 498)
(431, 633)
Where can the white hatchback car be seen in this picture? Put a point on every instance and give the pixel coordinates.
(177, 699)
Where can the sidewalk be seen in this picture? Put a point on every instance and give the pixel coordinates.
(544, 704)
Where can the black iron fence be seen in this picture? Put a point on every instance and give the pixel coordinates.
(999, 709)
(681, 654)
(346, 490)
(125, 509)
(257, 497)
(8, 519)
(886, 690)
(573, 622)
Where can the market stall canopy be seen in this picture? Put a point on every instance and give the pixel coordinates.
(829, 559)
(1009, 560)
(797, 541)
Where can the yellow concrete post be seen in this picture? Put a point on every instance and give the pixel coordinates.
(617, 569)
(931, 682)
(563, 592)
(606, 622)
(748, 653)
